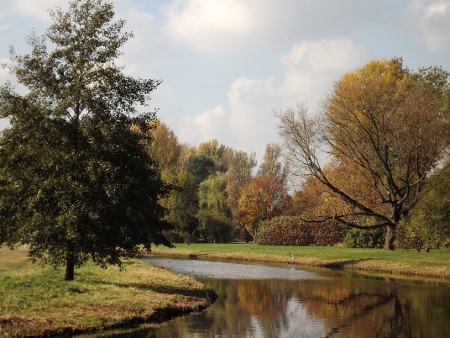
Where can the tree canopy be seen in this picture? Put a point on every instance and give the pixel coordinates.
(77, 181)
(382, 126)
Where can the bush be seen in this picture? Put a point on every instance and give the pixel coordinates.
(412, 234)
(287, 230)
(328, 233)
(359, 238)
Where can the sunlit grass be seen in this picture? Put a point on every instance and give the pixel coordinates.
(36, 301)
(434, 264)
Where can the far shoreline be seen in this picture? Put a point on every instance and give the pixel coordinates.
(376, 262)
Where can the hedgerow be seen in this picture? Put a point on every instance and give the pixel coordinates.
(290, 230)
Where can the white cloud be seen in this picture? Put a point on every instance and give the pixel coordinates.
(310, 68)
(32, 8)
(204, 127)
(431, 21)
(251, 117)
(227, 26)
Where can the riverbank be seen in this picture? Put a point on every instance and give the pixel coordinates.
(429, 265)
(36, 302)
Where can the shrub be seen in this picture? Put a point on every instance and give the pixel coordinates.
(360, 238)
(412, 234)
(328, 233)
(288, 230)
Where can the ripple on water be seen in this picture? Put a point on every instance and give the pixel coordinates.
(227, 270)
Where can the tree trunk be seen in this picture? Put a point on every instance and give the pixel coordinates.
(247, 236)
(70, 263)
(390, 237)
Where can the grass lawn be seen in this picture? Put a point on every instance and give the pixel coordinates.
(35, 301)
(434, 264)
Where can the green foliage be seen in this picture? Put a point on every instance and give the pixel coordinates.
(214, 226)
(201, 166)
(271, 163)
(214, 223)
(359, 238)
(428, 225)
(182, 201)
(212, 193)
(77, 181)
(240, 166)
(289, 230)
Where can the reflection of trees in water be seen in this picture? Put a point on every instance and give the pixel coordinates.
(382, 315)
(353, 306)
(331, 307)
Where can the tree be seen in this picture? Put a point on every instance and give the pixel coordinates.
(271, 163)
(77, 180)
(212, 193)
(220, 154)
(261, 199)
(385, 125)
(214, 225)
(428, 225)
(201, 166)
(181, 202)
(240, 166)
(214, 215)
(165, 148)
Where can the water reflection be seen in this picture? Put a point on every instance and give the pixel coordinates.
(311, 305)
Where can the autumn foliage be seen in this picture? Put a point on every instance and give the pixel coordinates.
(261, 198)
(288, 230)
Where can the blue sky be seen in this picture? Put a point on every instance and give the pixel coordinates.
(226, 65)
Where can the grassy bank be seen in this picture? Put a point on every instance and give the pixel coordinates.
(434, 264)
(37, 302)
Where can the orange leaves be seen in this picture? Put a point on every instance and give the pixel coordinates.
(261, 199)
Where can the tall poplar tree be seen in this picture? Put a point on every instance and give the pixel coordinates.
(76, 180)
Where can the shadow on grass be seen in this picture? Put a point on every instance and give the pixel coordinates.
(342, 264)
(210, 294)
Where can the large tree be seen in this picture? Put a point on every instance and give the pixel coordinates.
(77, 181)
(383, 126)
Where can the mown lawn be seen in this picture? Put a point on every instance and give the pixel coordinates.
(434, 264)
(35, 301)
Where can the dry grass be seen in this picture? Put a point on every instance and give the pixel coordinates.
(37, 302)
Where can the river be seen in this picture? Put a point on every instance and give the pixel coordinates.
(289, 301)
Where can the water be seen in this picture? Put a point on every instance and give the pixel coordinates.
(287, 301)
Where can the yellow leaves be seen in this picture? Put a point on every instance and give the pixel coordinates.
(369, 92)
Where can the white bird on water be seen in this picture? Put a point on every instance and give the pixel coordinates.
(292, 257)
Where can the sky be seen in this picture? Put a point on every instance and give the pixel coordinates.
(228, 65)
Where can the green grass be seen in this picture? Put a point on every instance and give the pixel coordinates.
(434, 264)
(35, 301)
